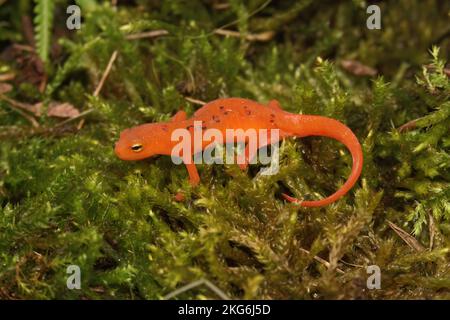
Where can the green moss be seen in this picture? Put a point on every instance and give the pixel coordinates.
(66, 199)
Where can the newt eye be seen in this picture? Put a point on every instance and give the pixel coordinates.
(137, 147)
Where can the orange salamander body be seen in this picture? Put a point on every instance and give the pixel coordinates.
(151, 139)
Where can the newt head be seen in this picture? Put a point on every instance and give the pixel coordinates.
(142, 142)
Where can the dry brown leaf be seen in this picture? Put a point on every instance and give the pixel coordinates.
(409, 239)
(62, 110)
(5, 87)
(357, 68)
(447, 72)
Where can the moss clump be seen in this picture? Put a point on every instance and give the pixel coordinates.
(66, 199)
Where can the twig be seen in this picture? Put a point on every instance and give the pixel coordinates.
(33, 121)
(262, 36)
(435, 117)
(221, 6)
(82, 114)
(409, 240)
(80, 124)
(322, 261)
(195, 284)
(351, 264)
(432, 228)
(251, 14)
(7, 76)
(19, 107)
(195, 101)
(95, 94)
(27, 25)
(277, 21)
(257, 10)
(105, 74)
(148, 34)
(411, 125)
(23, 47)
(43, 84)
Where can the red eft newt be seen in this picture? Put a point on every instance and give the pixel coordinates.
(151, 139)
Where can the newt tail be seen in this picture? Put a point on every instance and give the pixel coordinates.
(309, 125)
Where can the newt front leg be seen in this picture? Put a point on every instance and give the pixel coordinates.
(194, 178)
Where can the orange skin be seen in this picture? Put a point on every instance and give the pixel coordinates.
(152, 139)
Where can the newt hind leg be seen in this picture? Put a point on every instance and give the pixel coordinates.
(194, 179)
(250, 153)
(244, 159)
(274, 104)
(179, 116)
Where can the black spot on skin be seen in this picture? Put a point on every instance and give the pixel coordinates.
(221, 107)
(226, 112)
(272, 121)
(248, 112)
(216, 118)
(245, 107)
(272, 115)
